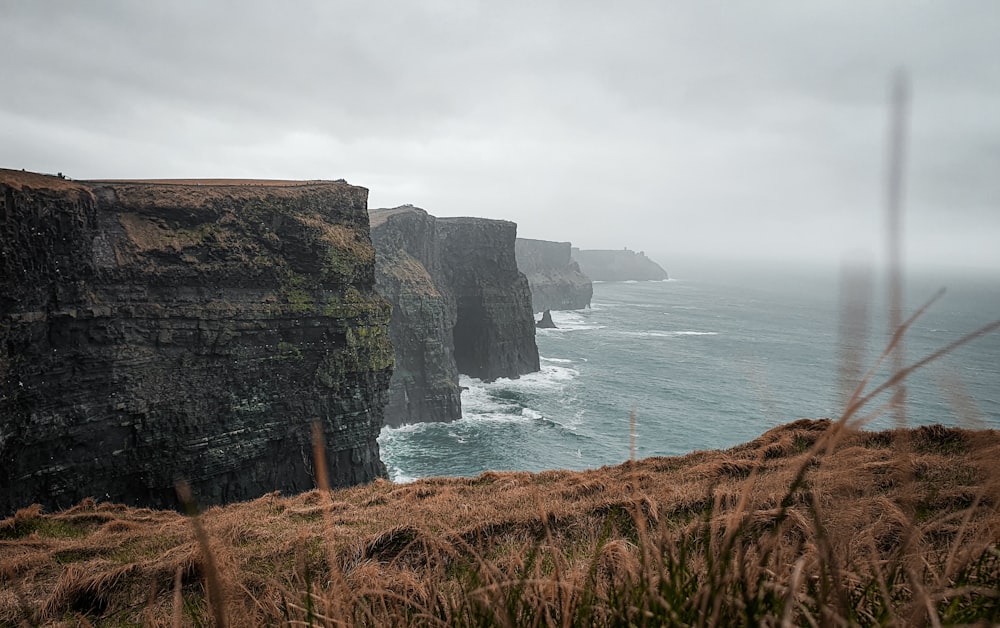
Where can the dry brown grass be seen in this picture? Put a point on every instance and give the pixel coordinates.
(21, 179)
(430, 551)
(165, 194)
(281, 183)
(413, 277)
(149, 235)
(340, 237)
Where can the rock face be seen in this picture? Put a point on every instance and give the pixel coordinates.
(623, 265)
(459, 305)
(409, 274)
(495, 327)
(156, 331)
(555, 280)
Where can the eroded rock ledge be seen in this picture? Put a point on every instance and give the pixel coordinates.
(158, 330)
(555, 280)
(459, 305)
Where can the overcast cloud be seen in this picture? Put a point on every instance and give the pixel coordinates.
(696, 129)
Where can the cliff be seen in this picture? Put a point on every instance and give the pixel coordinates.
(555, 280)
(623, 265)
(459, 305)
(495, 326)
(151, 331)
(424, 386)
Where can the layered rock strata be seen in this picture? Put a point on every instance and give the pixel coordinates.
(459, 305)
(555, 280)
(615, 265)
(165, 330)
(424, 386)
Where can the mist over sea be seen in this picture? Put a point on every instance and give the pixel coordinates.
(706, 362)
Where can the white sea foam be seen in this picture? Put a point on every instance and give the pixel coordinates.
(486, 401)
(409, 428)
(550, 376)
(570, 423)
(398, 477)
(600, 305)
(476, 398)
(667, 334)
(571, 320)
(556, 360)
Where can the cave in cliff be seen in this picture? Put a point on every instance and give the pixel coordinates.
(472, 347)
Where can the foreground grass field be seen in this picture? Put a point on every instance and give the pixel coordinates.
(809, 524)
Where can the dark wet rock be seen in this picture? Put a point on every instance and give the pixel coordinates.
(495, 327)
(555, 280)
(546, 321)
(156, 331)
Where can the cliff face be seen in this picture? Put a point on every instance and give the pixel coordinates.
(495, 328)
(459, 305)
(555, 280)
(623, 265)
(424, 385)
(151, 331)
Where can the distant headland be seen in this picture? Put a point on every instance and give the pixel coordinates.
(618, 265)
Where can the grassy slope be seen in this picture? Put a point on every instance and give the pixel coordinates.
(886, 526)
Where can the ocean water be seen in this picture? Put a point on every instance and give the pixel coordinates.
(704, 363)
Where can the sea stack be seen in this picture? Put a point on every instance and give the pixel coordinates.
(546, 321)
(156, 331)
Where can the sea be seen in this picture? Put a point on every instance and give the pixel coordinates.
(709, 361)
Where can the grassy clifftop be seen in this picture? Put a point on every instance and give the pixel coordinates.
(810, 523)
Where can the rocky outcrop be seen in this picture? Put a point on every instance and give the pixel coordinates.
(623, 265)
(546, 322)
(156, 331)
(459, 305)
(555, 280)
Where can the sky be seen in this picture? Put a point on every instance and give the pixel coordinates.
(709, 130)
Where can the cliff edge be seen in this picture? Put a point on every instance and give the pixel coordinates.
(555, 280)
(152, 331)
